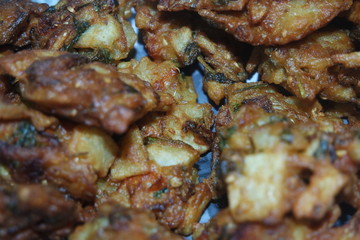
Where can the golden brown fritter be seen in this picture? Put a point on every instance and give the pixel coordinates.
(91, 93)
(173, 37)
(166, 37)
(306, 68)
(222, 226)
(277, 22)
(217, 5)
(116, 222)
(303, 176)
(15, 16)
(93, 28)
(36, 211)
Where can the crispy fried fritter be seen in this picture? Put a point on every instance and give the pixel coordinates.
(174, 37)
(155, 167)
(277, 22)
(222, 226)
(306, 68)
(217, 5)
(15, 16)
(94, 94)
(116, 222)
(92, 28)
(36, 211)
(302, 177)
(166, 79)
(166, 37)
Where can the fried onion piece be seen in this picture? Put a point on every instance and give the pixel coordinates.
(280, 23)
(302, 177)
(14, 19)
(217, 5)
(91, 93)
(36, 211)
(116, 222)
(223, 226)
(306, 68)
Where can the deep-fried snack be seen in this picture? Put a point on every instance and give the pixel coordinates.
(36, 211)
(306, 68)
(217, 5)
(116, 222)
(174, 37)
(166, 79)
(15, 16)
(281, 23)
(302, 177)
(166, 37)
(155, 167)
(91, 93)
(222, 226)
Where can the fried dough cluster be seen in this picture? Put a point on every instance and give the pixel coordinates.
(95, 144)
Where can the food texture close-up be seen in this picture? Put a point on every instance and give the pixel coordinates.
(179, 119)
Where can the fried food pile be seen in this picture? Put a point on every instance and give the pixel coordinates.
(95, 144)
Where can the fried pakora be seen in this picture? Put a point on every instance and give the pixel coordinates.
(307, 68)
(91, 93)
(303, 176)
(116, 222)
(276, 23)
(223, 226)
(36, 211)
(217, 5)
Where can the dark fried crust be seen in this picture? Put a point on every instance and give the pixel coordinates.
(94, 94)
(278, 26)
(15, 17)
(30, 211)
(217, 5)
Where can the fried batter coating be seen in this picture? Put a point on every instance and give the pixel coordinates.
(15, 16)
(116, 222)
(155, 167)
(173, 37)
(277, 23)
(217, 5)
(94, 25)
(36, 211)
(166, 37)
(166, 79)
(91, 93)
(303, 176)
(222, 226)
(306, 68)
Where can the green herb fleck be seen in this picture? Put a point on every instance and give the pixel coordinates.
(159, 193)
(80, 28)
(251, 87)
(322, 149)
(287, 136)
(236, 107)
(24, 135)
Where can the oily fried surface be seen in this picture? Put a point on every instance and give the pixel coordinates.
(222, 226)
(116, 222)
(279, 23)
(217, 5)
(35, 211)
(14, 19)
(306, 68)
(304, 161)
(171, 36)
(94, 94)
